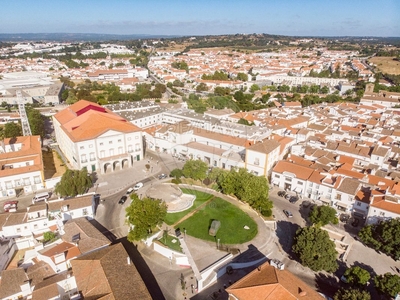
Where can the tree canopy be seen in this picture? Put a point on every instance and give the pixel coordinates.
(73, 182)
(143, 216)
(242, 76)
(246, 187)
(12, 130)
(357, 276)
(218, 75)
(36, 122)
(384, 237)
(195, 169)
(315, 249)
(351, 294)
(322, 215)
(181, 65)
(201, 87)
(387, 284)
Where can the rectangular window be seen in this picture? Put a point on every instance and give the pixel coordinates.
(17, 182)
(130, 148)
(102, 154)
(256, 161)
(338, 197)
(37, 180)
(119, 141)
(91, 146)
(137, 147)
(299, 182)
(27, 181)
(84, 211)
(288, 179)
(92, 157)
(358, 203)
(110, 142)
(101, 144)
(277, 176)
(35, 226)
(8, 185)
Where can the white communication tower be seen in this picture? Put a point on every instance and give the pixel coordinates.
(26, 129)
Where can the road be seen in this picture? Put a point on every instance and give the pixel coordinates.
(359, 254)
(113, 186)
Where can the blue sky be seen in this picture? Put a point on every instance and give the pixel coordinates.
(203, 17)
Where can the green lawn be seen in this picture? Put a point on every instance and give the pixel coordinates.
(232, 222)
(201, 197)
(168, 242)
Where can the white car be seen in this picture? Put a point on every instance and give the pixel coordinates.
(130, 190)
(138, 186)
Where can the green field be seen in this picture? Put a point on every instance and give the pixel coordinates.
(232, 222)
(168, 242)
(201, 197)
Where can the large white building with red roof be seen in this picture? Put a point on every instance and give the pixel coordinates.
(92, 137)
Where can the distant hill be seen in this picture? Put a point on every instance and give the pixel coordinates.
(75, 37)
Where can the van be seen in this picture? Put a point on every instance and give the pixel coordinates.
(40, 197)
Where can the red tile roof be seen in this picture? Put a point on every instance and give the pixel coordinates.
(86, 120)
(268, 283)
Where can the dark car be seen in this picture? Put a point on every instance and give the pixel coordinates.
(281, 193)
(293, 199)
(355, 222)
(122, 200)
(344, 218)
(162, 176)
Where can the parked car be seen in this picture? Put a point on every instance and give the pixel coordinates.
(162, 176)
(130, 190)
(343, 279)
(122, 200)
(344, 218)
(293, 199)
(138, 186)
(10, 206)
(281, 193)
(288, 213)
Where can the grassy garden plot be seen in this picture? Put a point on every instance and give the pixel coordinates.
(233, 220)
(167, 241)
(201, 197)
